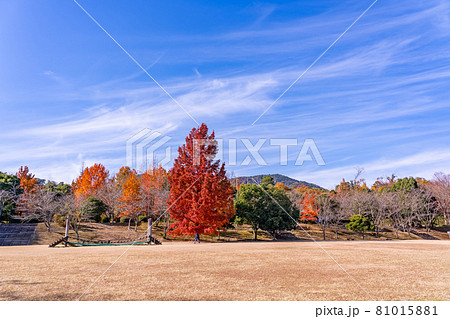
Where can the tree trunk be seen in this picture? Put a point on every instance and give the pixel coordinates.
(76, 228)
(135, 224)
(323, 230)
(255, 232)
(149, 230)
(129, 224)
(166, 227)
(66, 231)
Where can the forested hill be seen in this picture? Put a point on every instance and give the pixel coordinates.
(278, 178)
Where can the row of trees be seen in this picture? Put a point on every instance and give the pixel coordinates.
(125, 194)
(196, 197)
(92, 196)
(200, 199)
(400, 203)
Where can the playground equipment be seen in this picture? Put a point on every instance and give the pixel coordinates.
(59, 241)
(65, 240)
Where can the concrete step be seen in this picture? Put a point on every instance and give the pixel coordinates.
(16, 234)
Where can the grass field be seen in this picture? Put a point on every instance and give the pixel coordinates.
(386, 270)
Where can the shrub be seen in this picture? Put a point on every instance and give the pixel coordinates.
(60, 220)
(143, 219)
(360, 223)
(93, 208)
(104, 220)
(123, 220)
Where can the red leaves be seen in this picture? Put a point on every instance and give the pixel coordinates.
(200, 199)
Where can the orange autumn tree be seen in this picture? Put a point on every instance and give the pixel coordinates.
(111, 192)
(281, 186)
(122, 176)
(309, 207)
(28, 182)
(131, 199)
(384, 183)
(29, 185)
(90, 181)
(155, 190)
(201, 196)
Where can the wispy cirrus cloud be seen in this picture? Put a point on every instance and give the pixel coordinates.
(377, 100)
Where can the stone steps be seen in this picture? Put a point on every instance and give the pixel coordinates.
(16, 234)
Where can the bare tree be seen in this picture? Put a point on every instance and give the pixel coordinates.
(9, 194)
(40, 205)
(403, 208)
(392, 209)
(155, 196)
(340, 212)
(295, 197)
(441, 190)
(358, 173)
(328, 212)
(78, 214)
(428, 210)
(412, 204)
(110, 194)
(359, 202)
(160, 208)
(68, 208)
(365, 203)
(379, 211)
(6, 197)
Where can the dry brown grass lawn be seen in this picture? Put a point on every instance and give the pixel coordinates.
(397, 270)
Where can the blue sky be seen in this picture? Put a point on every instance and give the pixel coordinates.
(378, 99)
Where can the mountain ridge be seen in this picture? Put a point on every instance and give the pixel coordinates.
(278, 178)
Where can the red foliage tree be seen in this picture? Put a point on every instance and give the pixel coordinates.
(201, 196)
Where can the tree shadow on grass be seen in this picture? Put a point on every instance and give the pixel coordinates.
(19, 282)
